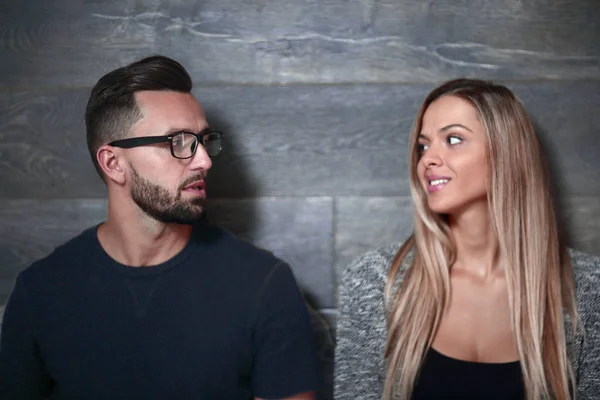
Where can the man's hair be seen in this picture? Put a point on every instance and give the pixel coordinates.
(112, 110)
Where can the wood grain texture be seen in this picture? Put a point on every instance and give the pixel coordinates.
(299, 231)
(43, 148)
(582, 217)
(366, 223)
(289, 140)
(72, 43)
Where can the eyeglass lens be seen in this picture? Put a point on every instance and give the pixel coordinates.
(184, 144)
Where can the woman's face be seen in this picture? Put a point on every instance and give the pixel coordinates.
(452, 168)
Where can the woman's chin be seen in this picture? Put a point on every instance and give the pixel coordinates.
(440, 207)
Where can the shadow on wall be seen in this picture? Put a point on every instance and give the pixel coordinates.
(230, 204)
(232, 192)
(555, 180)
(229, 179)
(229, 176)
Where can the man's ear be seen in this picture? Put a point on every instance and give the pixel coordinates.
(111, 164)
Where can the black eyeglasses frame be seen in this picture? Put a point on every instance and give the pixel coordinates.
(146, 140)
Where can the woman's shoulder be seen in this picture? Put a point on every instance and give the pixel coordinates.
(372, 266)
(586, 272)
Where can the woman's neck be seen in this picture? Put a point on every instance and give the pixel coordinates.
(476, 241)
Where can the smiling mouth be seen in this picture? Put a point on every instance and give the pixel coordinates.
(436, 184)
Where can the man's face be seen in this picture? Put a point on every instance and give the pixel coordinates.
(168, 189)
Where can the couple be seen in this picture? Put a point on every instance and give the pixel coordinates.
(482, 300)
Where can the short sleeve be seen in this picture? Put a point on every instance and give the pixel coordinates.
(285, 350)
(22, 372)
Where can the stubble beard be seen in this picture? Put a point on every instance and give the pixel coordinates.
(158, 203)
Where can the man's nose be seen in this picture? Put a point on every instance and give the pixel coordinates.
(200, 160)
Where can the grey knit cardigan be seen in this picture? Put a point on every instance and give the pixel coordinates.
(362, 333)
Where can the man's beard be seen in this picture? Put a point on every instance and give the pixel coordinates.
(158, 203)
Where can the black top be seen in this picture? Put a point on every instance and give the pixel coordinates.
(443, 377)
(220, 320)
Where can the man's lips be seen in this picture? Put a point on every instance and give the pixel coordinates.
(195, 186)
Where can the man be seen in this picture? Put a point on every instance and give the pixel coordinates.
(155, 302)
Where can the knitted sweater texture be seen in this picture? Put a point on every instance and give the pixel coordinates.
(362, 331)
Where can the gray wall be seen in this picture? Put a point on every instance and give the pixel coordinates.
(316, 98)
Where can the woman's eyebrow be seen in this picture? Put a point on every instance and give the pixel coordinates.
(444, 129)
(447, 127)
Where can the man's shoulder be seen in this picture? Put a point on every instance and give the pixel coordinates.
(62, 257)
(237, 252)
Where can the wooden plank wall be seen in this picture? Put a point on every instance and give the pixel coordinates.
(316, 97)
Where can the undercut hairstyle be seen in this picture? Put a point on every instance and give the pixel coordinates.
(541, 288)
(112, 110)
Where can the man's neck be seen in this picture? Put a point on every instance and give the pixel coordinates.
(136, 239)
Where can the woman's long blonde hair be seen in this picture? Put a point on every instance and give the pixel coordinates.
(536, 265)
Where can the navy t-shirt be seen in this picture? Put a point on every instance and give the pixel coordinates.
(220, 320)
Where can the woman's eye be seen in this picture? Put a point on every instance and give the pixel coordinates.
(422, 147)
(452, 140)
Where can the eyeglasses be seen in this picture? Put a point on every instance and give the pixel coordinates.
(183, 144)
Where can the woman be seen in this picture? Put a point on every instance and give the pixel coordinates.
(483, 300)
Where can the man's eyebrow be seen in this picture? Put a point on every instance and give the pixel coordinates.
(175, 130)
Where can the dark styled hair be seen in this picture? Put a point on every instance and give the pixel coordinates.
(112, 109)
